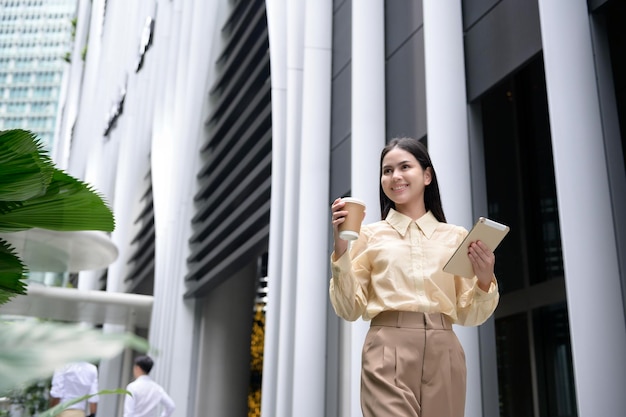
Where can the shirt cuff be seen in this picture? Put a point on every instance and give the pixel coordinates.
(482, 295)
(340, 265)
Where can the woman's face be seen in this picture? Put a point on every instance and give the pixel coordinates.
(403, 180)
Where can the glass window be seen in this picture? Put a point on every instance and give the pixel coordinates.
(535, 375)
(18, 92)
(555, 373)
(13, 123)
(16, 108)
(520, 179)
(615, 12)
(23, 77)
(514, 367)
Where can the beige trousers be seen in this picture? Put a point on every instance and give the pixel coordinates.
(413, 366)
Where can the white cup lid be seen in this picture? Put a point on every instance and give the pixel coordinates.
(348, 235)
(352, 200)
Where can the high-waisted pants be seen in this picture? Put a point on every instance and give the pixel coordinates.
(413, 366)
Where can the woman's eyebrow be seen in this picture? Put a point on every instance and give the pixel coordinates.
(398, 164)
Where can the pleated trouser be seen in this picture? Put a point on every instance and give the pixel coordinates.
(413, 366)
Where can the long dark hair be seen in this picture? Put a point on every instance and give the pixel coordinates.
(432, 199)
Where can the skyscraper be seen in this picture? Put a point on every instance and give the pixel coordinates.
(35, 41)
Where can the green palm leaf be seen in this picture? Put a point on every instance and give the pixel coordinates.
(31, 350)
(67, 205)
(12, 273)
(25, 167)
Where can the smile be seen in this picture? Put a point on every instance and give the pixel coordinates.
(399, 188)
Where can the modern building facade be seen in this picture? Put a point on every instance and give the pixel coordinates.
(221, 131)
(36, 39)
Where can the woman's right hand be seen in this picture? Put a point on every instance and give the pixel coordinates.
(337, 217)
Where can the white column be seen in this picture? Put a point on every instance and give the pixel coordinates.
(277, 30)
(309, 370)
(596, 314)
(368, 139)
(174, 167)
(74, 75)
(295, 57)
(446, 115)
(164, 181)
(285, 25)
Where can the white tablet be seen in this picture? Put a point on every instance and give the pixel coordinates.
(487, 231)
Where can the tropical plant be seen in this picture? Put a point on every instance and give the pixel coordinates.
(31, 350)
(34, 193)
(32, 399)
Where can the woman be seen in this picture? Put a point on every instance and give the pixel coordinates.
(413, 363)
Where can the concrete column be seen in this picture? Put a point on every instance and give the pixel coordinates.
(590, 259)
(446, 115)
(174, 168)
(287, 324)
(368, 139)
(277, 30)
(286, 31)
(61, 152)
(309, 370)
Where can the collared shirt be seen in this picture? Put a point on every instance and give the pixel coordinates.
(397, 264)
(73, 381)
(146, 397)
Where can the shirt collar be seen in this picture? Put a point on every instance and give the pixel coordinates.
(427, 223)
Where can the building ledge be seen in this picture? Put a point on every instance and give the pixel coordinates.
(82, 306)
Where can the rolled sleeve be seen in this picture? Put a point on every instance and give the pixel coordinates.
(476, 305)
(346, 296)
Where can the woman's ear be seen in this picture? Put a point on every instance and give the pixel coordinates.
(428, 176)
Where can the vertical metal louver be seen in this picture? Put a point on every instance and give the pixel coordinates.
(231, 224)
(140, 278)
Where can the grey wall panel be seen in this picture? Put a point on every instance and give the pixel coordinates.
(593, 5)
(338, 3)
(406, 89)
(340, 124)
(402, 19)
(473, 10)
(340, 171)
(341, 107)
(505, 38)
(342, 37)
(340, 130)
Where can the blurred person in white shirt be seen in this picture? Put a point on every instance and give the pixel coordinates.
(75, 380)
(146, 395)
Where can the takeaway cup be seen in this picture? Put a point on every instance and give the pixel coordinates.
(350, 228)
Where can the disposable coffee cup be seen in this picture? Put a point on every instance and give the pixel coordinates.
(351, 227)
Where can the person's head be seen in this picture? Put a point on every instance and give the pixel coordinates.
(142, 365)
(413, 151)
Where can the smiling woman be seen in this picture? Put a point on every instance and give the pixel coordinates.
(393, 276)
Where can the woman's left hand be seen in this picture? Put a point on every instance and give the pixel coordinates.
(483, 261)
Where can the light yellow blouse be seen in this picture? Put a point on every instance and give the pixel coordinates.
(396, 264)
